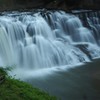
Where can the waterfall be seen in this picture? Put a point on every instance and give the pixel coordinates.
(37, 40)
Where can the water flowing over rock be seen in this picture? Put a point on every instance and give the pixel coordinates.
(36, 40)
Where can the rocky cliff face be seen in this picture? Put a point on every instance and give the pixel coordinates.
(51, 4)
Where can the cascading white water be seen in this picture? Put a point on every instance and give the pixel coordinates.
(32, 41)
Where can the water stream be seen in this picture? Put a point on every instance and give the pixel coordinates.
(36, 40)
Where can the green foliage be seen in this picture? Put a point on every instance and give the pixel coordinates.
(2, 71)
(12, 89)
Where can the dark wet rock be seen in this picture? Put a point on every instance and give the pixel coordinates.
(31, 29)
(83, 48)
(2, 78)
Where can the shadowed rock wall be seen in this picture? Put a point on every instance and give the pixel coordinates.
(51, 4)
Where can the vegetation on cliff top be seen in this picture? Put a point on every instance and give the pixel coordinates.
(11, 89)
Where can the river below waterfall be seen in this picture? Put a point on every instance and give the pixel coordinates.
(79, 83)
